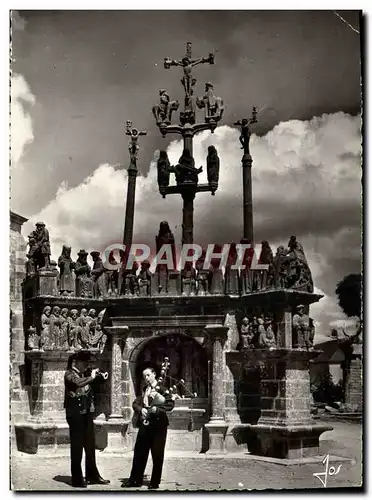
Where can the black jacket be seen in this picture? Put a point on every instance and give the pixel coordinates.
(158, 419)
(79, 395)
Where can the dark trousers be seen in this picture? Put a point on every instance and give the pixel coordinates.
(82, 436)
(149, 438)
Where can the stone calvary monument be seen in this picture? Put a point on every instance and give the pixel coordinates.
(241, 340)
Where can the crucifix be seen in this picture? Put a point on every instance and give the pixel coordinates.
(185, 171)
(245, 136)
(132, 176)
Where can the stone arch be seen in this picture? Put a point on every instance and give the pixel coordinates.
(188, 361)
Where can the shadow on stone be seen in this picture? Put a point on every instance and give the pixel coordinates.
(63, 479)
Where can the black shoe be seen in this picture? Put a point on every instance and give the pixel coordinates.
(79, 484)
(131, 484)
(98, 480)
(153, 487)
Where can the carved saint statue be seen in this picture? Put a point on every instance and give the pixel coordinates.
(213, 105)
(280, 265)
(45, 328)
(98, 274)
(163, 111)
(39, 249)
(144, 279)
(163, 172)
(185, 170)
(188, 276)
(203, 277)
(165, 237)
(213, 167)
(83, 333)
(84, 284)
(55, 328)
(266, 333)
(300, 328)
(43, 244)
(73, 329)
(66, 268)
(33, 339)
(246, 335)
(299, 271)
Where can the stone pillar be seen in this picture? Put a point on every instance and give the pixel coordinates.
(286, 428)
(247, 197)
(217, 426)
(129, 211)
(284, 328)
(354, 381)
(116, 425)
(174, 283)
(188, 216)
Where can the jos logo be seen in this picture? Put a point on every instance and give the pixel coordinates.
(331, 471)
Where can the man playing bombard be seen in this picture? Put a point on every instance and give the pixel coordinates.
(150, 409)
(79, 405)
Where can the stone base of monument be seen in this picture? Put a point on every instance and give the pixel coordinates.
(112, 435)
(217, 433)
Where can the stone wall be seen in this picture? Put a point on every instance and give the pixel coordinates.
(19, 373)
(354, 386)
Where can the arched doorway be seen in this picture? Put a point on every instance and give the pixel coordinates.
(188, 362)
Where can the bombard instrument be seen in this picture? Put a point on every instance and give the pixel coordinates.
(99, 373)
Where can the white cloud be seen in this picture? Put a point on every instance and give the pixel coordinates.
(21, 123)
(306, 181)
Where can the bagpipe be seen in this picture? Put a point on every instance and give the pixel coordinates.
(163, 389)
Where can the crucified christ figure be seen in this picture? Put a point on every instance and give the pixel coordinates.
(187, 64)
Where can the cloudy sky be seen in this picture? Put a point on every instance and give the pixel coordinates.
(78, 76)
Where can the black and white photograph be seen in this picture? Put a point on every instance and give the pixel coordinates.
(186, 250)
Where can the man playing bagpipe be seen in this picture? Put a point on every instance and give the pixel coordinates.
(79, 405)
(151, 417)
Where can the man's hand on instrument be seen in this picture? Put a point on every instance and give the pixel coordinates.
(94, 372)
(144, 412)
(152, 409)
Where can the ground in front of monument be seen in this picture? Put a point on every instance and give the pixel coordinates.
(184, 471)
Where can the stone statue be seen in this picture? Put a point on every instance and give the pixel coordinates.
(73, 329)
(185, 170)
(310, 339)
(144, 279)
(213, 168)
(84, 283)
(280, 265)
(32, 265)
(55, 328)
(300, 328)
(33, 339)
(214, 106)
(163, 111)
(98, 337)
(65, 324)
(266, 334)
(98, 274)
(245, 131)
(187, 64)
(165, 237)
(188, 276)
(246, 335)
(232, 275)
(43, 244)
(203, 277)
(111, 277)
(45, 327)
(163, 172)
(299, 272)
(130, 284)
(83, 332)
(133, 145)
(266, 257)
(66, 268)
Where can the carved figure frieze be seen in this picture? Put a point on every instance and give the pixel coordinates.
(67, 329)
(257, 332)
